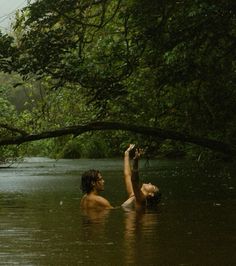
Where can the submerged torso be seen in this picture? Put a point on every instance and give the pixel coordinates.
(129, 203)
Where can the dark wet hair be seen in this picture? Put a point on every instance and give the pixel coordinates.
(152, 201)
(87, 180)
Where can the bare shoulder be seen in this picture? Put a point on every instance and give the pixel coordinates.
(102, 202)
(94, 201)
(83, 201)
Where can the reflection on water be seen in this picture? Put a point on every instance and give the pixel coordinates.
(41, 222)
(141, 228)
(94, 216)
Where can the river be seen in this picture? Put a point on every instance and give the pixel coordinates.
(41, 222)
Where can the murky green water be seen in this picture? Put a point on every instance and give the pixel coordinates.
(41, 223)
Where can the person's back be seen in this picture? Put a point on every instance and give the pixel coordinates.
(94, 201)
(92, 183)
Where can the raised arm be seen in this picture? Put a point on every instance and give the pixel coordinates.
(127, 171)
(139, 196)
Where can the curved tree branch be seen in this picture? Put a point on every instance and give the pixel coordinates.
(96, 126)
(12, 129)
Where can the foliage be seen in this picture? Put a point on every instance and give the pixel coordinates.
(7, 112)
(168, 64)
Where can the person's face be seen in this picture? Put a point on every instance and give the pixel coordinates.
(99, 184)
(149, 189)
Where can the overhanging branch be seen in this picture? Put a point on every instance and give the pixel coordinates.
(13, 129)
(97, 126)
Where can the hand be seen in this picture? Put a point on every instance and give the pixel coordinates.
(130, 148)
(138, 153)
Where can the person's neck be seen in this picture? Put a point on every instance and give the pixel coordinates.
(144, 191)
(94, 192)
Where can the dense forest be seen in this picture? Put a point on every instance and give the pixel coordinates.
(82, 78)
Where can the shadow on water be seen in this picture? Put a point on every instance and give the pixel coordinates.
(41, 222)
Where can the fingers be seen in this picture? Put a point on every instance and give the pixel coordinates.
(138, 153)
(130, 148)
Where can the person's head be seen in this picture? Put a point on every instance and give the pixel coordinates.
(152, 194)
(92, 180)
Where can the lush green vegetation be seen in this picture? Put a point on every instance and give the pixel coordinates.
(160, 64)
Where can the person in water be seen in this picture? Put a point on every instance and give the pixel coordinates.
(92, 183)
(139, 196)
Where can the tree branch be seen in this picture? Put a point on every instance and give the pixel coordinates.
(13, 129)
(96, 126)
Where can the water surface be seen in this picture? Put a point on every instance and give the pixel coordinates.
(41, 223)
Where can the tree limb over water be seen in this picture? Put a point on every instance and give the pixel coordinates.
(101, 126)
